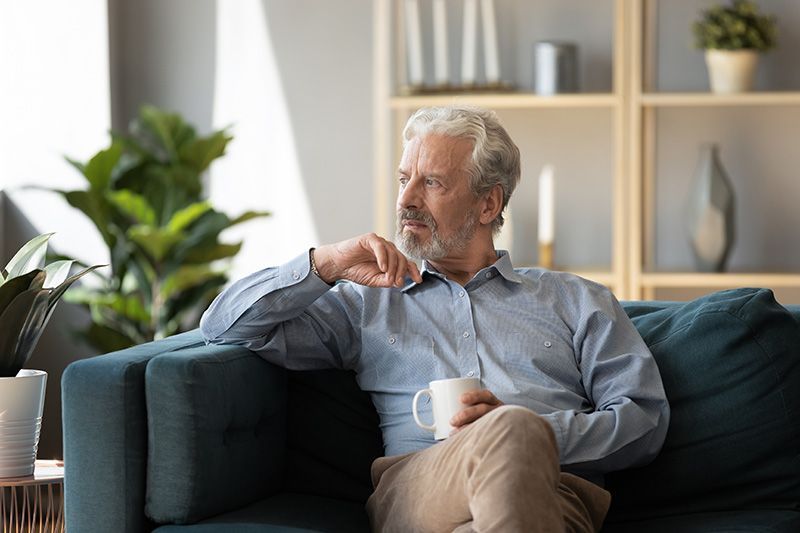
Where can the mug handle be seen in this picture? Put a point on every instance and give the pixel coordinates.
(419, 422)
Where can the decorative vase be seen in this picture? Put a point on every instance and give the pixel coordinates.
(731, 71)
(21, 407)
(710, 213)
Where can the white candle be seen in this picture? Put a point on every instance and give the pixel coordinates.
(490, 53)
(469, 42)
(441, 66)
(547, 210)
(414, 43)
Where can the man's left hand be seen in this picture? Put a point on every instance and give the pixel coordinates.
(479, 403)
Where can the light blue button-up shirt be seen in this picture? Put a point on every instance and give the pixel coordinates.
(553, 342)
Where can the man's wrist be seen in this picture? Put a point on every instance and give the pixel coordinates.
(314, 269)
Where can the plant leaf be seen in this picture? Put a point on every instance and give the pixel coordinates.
(23, 321)
(213, 252)
(15, 286)
(56, 272)
(57, 292)
(29, 257)
(99, 169)
(184, 218)
(156, 242)
(199, 153)
(186, 277)
(249, 215)
(134, 206)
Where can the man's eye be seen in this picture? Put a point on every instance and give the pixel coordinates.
(430, 182)
(403, 181)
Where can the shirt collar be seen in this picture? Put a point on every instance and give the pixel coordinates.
(502, 266)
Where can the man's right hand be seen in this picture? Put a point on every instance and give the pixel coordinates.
(367, 260)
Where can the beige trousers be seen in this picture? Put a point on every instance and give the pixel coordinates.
(501, 473)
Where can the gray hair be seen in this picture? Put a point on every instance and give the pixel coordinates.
(495, 157)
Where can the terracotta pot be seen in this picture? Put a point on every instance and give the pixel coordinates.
(731, 71)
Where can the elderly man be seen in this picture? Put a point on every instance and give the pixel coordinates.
(570, 391)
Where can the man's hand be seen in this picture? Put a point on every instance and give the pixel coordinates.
(479, 403)
(367, 260)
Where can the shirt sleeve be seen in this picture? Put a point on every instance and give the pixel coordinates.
(629, 422)
(289, 316)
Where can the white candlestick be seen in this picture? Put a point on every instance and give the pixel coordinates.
(547, 210)
(469, 42)
(490, 52)
(441, 66)
(414, 43)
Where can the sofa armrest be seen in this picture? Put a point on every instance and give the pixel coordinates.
(105, 437)
(217, 432)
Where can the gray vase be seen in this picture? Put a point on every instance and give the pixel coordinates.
(710, 212)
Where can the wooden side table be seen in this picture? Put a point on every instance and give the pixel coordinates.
(34, 504)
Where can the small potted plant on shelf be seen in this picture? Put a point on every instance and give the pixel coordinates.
(29, 292)
(732, 36)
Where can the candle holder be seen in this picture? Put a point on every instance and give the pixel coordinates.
(546, 255)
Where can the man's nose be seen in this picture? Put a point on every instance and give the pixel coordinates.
(409, 196)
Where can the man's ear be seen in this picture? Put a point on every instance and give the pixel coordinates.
(492, 205)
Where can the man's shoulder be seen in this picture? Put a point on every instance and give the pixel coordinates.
(566, 281)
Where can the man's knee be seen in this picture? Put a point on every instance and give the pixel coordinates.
(520, 423)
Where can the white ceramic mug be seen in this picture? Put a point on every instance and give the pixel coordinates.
(445, 395)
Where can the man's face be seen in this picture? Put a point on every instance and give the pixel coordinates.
(437, 213)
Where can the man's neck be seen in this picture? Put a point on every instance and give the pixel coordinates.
(462, 267)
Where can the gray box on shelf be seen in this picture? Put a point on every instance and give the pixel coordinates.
(556, 67)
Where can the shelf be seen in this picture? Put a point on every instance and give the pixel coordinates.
(711, 99)
(719, 280)
(507, 100)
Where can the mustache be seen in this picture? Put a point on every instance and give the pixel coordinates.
(415, 214)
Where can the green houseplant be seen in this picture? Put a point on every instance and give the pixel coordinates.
(144, 196)
(732, 36)
(29, 292)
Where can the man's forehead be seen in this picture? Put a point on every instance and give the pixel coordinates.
(437, 152)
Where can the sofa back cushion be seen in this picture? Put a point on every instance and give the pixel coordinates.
(333, 435)
(730, 363)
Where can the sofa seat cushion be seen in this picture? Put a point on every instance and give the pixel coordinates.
(765, 521)
(285, 512)
(731, 370)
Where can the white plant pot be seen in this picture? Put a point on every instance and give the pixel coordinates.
(731, 71)
(21, 407)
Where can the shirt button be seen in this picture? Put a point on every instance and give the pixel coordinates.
(488, 275)
(392, 340)
(461, 294)
(466, 334)
(295, 274)
(547, 344)
(470, 373)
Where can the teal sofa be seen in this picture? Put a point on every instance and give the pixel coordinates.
(178, 437)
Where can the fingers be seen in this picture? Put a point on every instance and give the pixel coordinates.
(391, 262)
(478, 404)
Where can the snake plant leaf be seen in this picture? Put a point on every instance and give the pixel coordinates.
(56, 272)
(57, 292)
(29, 257)
(23, 320)
(133, 205)
(185, 217)
(15, 286)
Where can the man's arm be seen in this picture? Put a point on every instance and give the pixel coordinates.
(289, 308)
(622, 381)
